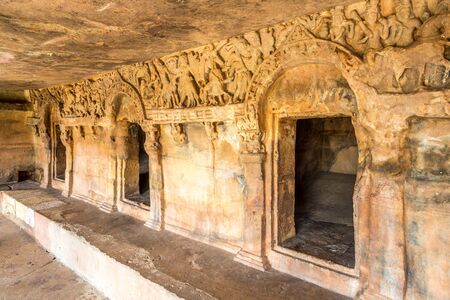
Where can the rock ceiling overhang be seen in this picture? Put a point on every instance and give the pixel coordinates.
(50, 42)
(398, 49)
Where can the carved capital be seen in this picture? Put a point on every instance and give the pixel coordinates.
(66, 136)
(251, 142)
(178, 133)
(250, 134)
(121, 140)
(81, 131)
(152, 135)
(211, 130)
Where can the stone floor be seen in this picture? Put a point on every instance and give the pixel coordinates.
(328, 198)
(181, 265)
(324, 221)
(27, 271)
(328, 241)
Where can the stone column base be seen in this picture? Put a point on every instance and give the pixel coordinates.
(372, 295)
(45, 185)
(251, 260)
(155, 225)
(107, 207)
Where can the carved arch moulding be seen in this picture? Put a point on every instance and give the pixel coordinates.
(300, 48)
(88, 100)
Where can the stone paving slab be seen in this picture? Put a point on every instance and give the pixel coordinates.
(27, 271)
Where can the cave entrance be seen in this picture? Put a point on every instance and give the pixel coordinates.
(137, 187)
(324, 165)
(59, 156)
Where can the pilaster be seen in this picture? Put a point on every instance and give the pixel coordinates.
(153, 149)
(252, 157)
(67, 140)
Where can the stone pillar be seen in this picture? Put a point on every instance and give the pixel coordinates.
(67, 140)
(252, 158)
(118, 154)
(252, 253)
(46, 155)
(122, 156)
(383, 267)
(153, 149)
(110, 205)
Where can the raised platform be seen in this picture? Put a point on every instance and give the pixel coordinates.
(126, 260)
(29, 272)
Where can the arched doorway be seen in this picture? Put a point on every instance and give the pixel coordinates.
(312, 166)
(130, 159)
(136, 175)
(59, 155)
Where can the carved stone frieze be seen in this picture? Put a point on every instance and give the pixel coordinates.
(404, 71)
(83, 99)
(196, 114)
(228, 72)
(376, 24)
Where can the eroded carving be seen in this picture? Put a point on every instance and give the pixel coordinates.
(152, 135)
(211, 130)
(224, 72)
(66, 136)
(178, 134)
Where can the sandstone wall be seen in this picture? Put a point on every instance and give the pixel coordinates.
(16, 145)
(427, 201)
(90, 166)
(382, 63)
(325, 145)
(203, 183)
(340, 152)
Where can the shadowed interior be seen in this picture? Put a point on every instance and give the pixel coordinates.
(326, 163)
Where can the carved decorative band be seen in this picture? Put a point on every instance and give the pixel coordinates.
(185, 86)
(200, 114)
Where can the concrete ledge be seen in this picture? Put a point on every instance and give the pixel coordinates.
(115, 280)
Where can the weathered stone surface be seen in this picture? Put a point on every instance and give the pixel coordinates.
(45, 43)
(114, 250)
(16, 145)
(28, 271)
(219, 126)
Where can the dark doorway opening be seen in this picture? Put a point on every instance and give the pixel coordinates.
(138, 187)
(24, 175)
(326, 158)
(60, 155)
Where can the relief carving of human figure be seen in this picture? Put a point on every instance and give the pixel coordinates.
(238, 79)
(168, 98)
(341, 29)
(379, 30)
(361, 32)
(152, 91)
(213, 90)
(69, 102)
(408, 23)
(187, 91)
